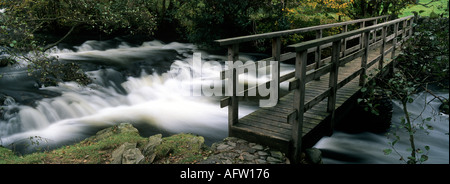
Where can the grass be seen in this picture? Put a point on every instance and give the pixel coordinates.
(175, 149)
(436, 7)
(87, 151)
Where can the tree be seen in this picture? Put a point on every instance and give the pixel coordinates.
(371, 8)
(22, 20)
(422, 62)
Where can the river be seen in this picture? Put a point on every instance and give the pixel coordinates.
(145, 84)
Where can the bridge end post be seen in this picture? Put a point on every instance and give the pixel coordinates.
(276, 54)
(299, 105)
(233, 107)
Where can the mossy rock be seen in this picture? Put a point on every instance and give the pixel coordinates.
(181, 148)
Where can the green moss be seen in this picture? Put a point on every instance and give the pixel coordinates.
(179, 148)
(94, 150)
(182, 149)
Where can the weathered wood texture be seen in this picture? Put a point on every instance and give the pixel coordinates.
(313, 106)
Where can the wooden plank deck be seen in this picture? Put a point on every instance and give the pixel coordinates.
(314, 107)
(271, 126)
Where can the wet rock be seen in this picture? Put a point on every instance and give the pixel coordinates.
(313, 155)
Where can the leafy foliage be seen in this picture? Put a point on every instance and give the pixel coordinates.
(23, 19)
(424, 60)
(427, 60)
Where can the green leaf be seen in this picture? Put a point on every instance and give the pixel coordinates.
(363, 89)
(427, 148)
(387, 151)
(423, 158)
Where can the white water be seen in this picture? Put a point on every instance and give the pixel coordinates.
(142, 85)
(150, 100)
(367, 148)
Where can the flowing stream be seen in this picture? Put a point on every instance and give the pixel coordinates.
(367, 147)
(146, 84)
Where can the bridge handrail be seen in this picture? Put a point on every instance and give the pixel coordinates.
(303, 73)
(241, 39)
(301, 76)
(313, 43)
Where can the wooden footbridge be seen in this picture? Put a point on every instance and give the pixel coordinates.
(322, 92)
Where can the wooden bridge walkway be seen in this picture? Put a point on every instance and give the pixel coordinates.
(316, 101)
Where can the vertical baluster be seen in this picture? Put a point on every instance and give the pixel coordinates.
(394, 47)
(375, 22)
(233, 107)
(362, 78)
(318, 53)
(404, 32)
(383, 44)
(335, 53)
(276, 52)
(361, 38)
(299, 103)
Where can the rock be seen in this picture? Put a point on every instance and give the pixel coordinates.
(258, 147)
(117, 129)
(222, 147)
(149, 148)
(261, 161)
(273, 160)
(262, 153)
(313, 155)
(117, 154)
(276, 154)
(132, 156)
(248, 157)
(4, 61)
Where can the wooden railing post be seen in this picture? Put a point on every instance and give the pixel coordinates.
(411, 27)
(404, 32)
(344, 43)
(383, 44)
(299, 103)
(375, 22)
(335, 53)
(276, 52)
(394, 47)
(362, 78)
(361, 38)
(318, 53)
(233, 107)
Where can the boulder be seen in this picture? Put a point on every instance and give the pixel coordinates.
(132, 156)
(313, 155)
(117, 154)
(116, 129)
(127, 153)
(149, 148)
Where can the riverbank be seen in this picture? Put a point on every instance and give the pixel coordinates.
(122, 144)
